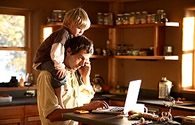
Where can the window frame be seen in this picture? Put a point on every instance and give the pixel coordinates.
(190, 89)
(28, 44)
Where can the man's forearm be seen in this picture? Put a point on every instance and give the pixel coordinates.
(56, 115)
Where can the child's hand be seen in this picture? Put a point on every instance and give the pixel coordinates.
(61, 73)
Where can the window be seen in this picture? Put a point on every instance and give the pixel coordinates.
(188, 53)
(14, 43)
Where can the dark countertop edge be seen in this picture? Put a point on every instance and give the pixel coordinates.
(33, 101)
(160, 103)
(20, 101)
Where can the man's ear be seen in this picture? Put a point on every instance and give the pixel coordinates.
(68, 51)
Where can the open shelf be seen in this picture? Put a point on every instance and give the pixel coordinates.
(137, 57)
(173, 24)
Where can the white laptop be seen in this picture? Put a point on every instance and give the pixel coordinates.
(131, 100)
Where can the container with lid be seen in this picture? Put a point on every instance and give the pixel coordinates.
(132, 18)
(106, 19)
(144, 17)
(126, 18)
(100, 18)
(137, 18)
(164, 88)
(119, 19)
(159, 16)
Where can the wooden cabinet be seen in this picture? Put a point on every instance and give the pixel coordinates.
(31, 115)
(19, 115)
(12, 115)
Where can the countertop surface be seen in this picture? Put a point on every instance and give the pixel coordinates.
(20, 101)
(187, 105)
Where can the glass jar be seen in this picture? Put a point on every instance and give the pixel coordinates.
(58, 15)
(119, 49)
(119, 19)
(159, 16)
(137, 18)
(100, 18)
(126, 18)
(153, 18)
(144, 17)
(132, 18)
(29, 79)
(106, 19)
(149, 16)
(110, 18)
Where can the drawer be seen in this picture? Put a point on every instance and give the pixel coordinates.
(11, 112)
(31, 110)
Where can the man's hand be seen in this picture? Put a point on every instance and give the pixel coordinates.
(94, 105)
(85, 70)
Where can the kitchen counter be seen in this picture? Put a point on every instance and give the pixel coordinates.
(20, 101)
(187, 105)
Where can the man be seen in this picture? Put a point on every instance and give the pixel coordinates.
(77, 91)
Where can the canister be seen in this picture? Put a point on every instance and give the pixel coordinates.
(164, 88)
(100, 18)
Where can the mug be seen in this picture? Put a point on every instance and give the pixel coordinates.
(140, 108)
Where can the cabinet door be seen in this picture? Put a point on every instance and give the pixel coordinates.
(12, 115)
(32, 115)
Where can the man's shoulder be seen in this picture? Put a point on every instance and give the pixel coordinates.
(44, 73)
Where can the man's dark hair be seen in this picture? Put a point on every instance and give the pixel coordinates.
(79, 43)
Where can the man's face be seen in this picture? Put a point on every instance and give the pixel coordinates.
(77, 60)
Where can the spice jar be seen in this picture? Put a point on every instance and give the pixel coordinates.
(119, 19)
(153, 18)
(100, 18)
(58, 15)
(110, 18)
(132, 18)
(149, 17)
(144, 17)
(126, 18)
(106, 19)
(137, 18)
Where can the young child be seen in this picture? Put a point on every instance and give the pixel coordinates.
(50, 54)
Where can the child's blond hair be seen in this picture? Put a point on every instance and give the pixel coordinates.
(77, 17)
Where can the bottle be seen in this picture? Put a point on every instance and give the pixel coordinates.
(21, 81)
(164, 88)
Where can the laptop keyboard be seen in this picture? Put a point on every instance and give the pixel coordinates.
(117, 109)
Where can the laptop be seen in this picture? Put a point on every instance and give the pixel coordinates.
(130, 101)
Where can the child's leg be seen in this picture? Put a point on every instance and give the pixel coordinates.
(58, 92)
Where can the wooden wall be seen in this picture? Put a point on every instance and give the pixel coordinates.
(150, 71)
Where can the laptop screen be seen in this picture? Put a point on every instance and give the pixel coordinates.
(132, 95)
